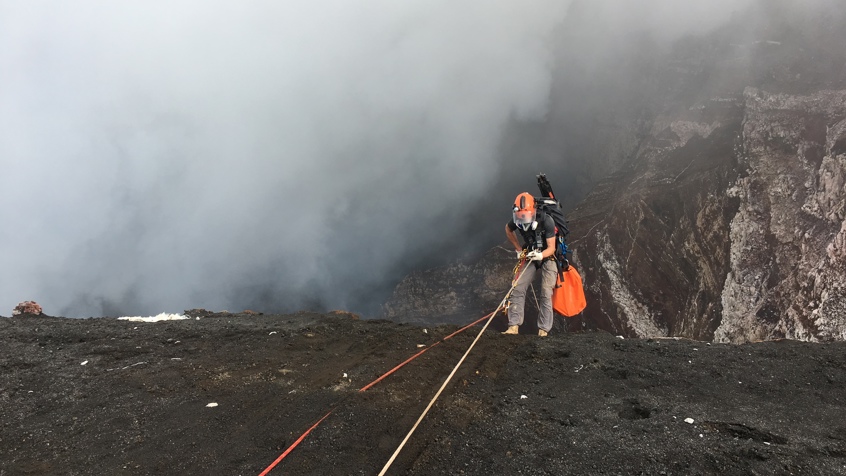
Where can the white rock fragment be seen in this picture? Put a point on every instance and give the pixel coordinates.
(211, 405)
(523, 397)
(688, 421)
(701, 435)
(160, 317)
(84, 363)
(620, 337)
(421, 345)
(345, 375)
(425, 331)
(272, 332)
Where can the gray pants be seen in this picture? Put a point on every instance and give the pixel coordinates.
(549, 272)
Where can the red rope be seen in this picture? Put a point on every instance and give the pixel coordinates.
(420, 353)
(302, 437)
(294, 445)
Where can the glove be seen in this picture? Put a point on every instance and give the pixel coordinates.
(519, 254)
(535, 255)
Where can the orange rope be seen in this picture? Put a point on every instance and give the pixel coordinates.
(302, 437)
(293, 445)
(451, 374)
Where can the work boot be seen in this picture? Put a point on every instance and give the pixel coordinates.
(542, 333)
(512, 330)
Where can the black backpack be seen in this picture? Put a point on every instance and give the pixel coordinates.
(547, 204)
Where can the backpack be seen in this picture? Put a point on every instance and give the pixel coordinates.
(548, 205)
(568, 296)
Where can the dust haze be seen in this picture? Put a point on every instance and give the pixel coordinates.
(160, 156)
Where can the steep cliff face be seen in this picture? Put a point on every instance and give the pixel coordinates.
(653, 239)
(727, 220)
(729, 224)
(787, 256)
(744, 243)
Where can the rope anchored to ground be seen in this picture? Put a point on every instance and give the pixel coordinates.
(455, 369)
(488, 317)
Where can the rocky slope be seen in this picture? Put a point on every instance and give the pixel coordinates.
(788, 261)
(228, 393)
(726, 228)
(727, 221)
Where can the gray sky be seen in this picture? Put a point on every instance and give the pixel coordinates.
(157, 156)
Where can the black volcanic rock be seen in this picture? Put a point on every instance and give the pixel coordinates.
(104, 396)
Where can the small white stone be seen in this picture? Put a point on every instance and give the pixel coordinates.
(211, 405)
(272, 332)
(688, 421)
(425, 331)
(523, 397)
(345, 375)
(83, 363)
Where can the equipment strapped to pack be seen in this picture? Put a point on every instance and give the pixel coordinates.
(568, 296)
(547, 204)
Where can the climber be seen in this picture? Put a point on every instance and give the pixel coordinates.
(538, 236)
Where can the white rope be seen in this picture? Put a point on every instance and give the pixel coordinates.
(455, 369)
(537, 304)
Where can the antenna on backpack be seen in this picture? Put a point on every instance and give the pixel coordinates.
(545, 187)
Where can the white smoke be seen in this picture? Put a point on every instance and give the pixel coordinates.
(167, 155)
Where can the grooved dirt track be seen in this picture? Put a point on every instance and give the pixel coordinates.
(581, 403)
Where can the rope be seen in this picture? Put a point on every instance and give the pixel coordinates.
(455, 369)
(418, 354)
(294, 445)
(422, 351)
(536, 296)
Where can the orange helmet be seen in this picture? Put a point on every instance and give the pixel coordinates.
(524, 211)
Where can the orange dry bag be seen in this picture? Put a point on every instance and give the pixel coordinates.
(568, 297)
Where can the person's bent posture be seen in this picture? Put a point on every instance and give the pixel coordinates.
(538, 236)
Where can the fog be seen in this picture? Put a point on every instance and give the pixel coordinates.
(159, 156)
